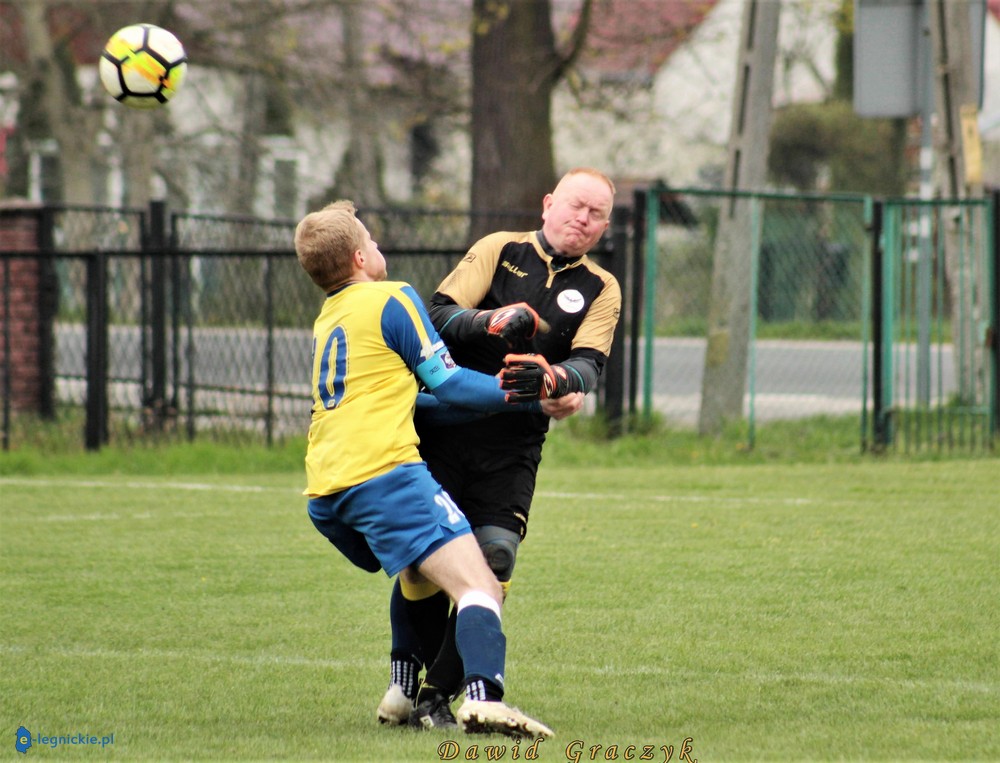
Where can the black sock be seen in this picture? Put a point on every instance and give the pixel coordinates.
(430, 621)
(447, 671)
(418, 625)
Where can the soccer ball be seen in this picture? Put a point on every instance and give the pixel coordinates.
(143, 66)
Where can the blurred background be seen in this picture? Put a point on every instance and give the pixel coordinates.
(768, 157)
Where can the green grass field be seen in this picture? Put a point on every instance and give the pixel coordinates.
(845, 611)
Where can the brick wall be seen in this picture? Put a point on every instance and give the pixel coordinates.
(22, 323)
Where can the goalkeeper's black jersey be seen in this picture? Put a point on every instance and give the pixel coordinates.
(578, 299)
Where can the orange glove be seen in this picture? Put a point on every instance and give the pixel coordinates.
(517, 321)
(531, 377)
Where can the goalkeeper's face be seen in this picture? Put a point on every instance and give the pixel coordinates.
(576, 213)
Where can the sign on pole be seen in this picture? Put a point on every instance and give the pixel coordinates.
(891, 49)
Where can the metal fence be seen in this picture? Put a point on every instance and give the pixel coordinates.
(885, 310)
(935, 319)
(191, 326)
(806, 312)
(183, 326)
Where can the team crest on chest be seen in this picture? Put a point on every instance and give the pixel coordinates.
(571, 301)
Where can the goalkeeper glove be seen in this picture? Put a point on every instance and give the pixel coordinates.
(517, 321)
(530, 377)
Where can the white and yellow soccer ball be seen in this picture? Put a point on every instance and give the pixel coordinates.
(143, 66)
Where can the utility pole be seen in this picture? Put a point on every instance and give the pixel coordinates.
(960, 167)
(957, 102)
(724, 379)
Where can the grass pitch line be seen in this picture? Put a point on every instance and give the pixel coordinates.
(684, 498)
(206, 487)
(138, 485)
(178, 654)
(115, 517)
(828, 679)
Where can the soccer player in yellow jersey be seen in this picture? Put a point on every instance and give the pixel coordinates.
(369, 491)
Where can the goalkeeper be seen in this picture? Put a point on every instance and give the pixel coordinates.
(535, 308)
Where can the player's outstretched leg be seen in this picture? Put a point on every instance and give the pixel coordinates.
(478, 717)
(484, 712)
(458, 567)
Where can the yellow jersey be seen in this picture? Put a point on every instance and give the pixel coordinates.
(367, 341)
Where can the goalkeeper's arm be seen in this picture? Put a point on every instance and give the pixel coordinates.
(461, 326)
(583, 369)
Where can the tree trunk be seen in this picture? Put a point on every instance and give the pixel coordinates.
(72, 125)
(359, 177)
(137, 139)
(514, 70)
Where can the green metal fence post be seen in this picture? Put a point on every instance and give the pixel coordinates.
(756, 225)
(614, 372)
(649, 321)
(891, 257)
(993, 263)
(636, 303)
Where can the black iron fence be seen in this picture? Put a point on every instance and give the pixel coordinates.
(180, 326)
(145, 326)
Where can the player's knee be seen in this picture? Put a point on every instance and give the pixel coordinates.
(499, 547)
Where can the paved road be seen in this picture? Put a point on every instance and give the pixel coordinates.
(793, 378)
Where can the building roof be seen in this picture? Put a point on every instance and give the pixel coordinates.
(635, 37)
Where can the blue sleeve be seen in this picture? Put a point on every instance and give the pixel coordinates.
(470, 389)
(431, 362)
(405, 325)
(432, 412)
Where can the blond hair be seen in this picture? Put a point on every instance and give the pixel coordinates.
(325, 241)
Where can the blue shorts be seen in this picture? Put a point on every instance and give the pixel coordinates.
(390, 522)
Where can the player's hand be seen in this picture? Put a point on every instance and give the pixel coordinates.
(517, 321)
(530, 377)
(560, 408)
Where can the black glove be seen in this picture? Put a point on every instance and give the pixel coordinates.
(530, 377)
(517, 321)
